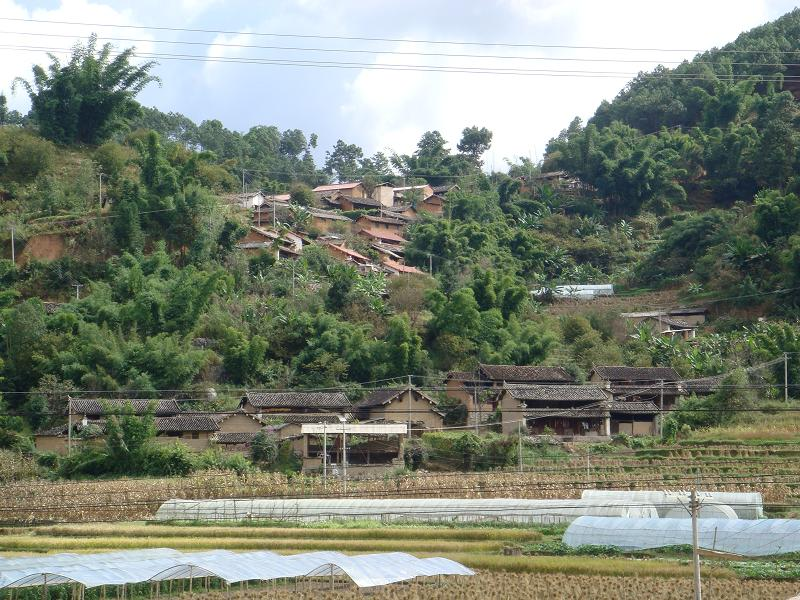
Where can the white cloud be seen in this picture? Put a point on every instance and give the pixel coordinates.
(54, 37)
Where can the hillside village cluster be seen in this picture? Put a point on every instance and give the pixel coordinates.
(515, 400)
(385, 211)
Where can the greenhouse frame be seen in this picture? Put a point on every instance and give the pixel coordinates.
(746, 505)
(399, 509)
(165, 565)
(743, 537)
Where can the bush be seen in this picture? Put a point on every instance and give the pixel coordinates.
(414, 453)
(168, 460)
(28, 155)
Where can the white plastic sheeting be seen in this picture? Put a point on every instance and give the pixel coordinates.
(422, 509)
(744, 537)
(119, 568)
(746, 505)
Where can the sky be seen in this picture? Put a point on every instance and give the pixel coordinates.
(384, 102)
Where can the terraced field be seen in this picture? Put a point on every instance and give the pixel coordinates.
(773, 470)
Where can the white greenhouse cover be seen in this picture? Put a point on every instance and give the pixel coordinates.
(747, 505)
(744, 537)
(423, 509)
(161, 564)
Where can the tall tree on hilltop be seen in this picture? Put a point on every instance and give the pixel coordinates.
(90, 98)
(474, 142)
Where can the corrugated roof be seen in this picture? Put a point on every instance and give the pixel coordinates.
(557, 392)
(525, 373)
(97, 407)
(623, 373)
(328, 400)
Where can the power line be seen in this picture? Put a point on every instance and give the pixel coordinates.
(384, 39)
(421, 68)
(394, 52)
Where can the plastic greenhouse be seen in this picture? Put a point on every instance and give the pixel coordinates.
(746, 505)
(159, 565)
(422, 509)
(744, 537)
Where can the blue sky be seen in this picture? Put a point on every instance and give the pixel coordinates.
(387, 110)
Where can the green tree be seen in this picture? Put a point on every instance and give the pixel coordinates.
(343, 161)
(126, 224)
(777, 215)
(88, 99)
(475, 141)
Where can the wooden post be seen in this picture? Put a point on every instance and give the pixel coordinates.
(698, 592)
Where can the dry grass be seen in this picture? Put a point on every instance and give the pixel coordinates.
(139, 531)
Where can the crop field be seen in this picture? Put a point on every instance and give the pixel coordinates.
(484, 548)
(773, 470)
(489, 586)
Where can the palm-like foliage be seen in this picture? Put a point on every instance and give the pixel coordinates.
(88, 99)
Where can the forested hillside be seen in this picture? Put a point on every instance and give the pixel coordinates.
(685, 182)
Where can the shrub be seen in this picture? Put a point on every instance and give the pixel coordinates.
(168, 460)
(414, 453)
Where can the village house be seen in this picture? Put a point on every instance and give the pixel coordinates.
(401, 405)
(346, 203)
(248, 200)
(259, 239)
(410, 193)
(381, 224)
(340, 252)
(197, 430)
(355, 189)
(403, 211)
(637, 383)
(392, 267)
(571, 411)
(93, 409)
(432, 204)
(478, 390)
(565, 410)
(327, 221)
(277, 403)
(441, 190)
(674, 323)
(383, 193)
(382, 236)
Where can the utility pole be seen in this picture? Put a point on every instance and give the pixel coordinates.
(408, 407)
(344, 455)
(77, 287)
(519, 444)
(588, 468)
(661, 409)
(292, 273)
(13, 255)
(786, 377)
(243, 190)
(324, 455)
(430, 264)
(100, 188)
(698, 592)
(274, 212)
(69, 425)
(476, 413)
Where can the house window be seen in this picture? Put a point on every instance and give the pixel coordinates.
(195, 435)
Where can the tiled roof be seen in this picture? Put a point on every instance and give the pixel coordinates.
(622, 373)
(77, 427)
(442, 189)
(387, 395)
(630, 407)
(294, 419)
(349, 252)
(383, 235)
(327, 214)
(97, 407)
(337, 186)
(461, 375)
(190, 422)
(396, 266)
(513, 373)
(704, 385)
(566, 413)
(556, 393)
(359, 201)
(675, 323)
(385, 220)
(233, 437)
(326, 400)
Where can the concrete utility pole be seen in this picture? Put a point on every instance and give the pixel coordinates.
(13, 254)
(661, 409)
(476, 412)
(77, 287)
(100, 189)
(344, 452)
(786, 377)
(698, 591)
(430, 264)
(69, 426)
(519, 444)
(408, 408)
(324, 455)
